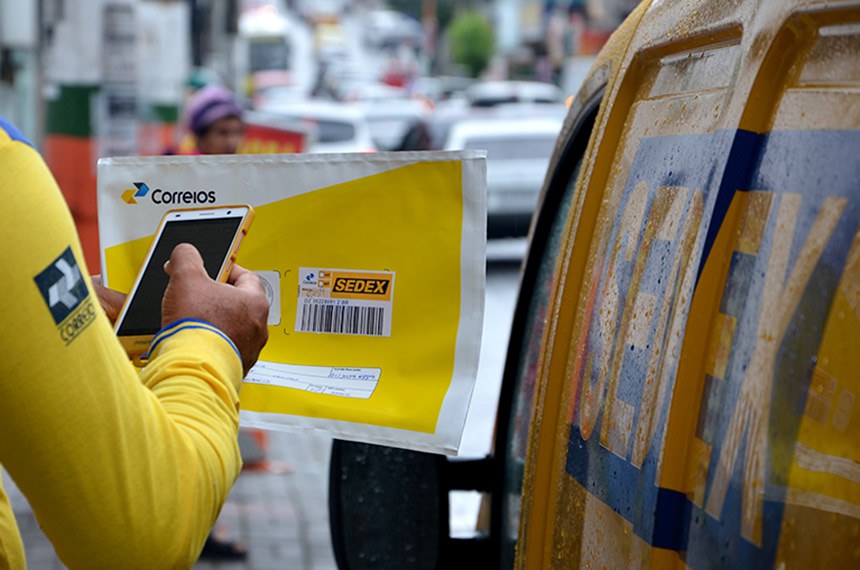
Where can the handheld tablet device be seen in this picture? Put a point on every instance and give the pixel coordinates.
(216, 232)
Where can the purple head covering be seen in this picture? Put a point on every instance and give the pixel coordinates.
(208, 105)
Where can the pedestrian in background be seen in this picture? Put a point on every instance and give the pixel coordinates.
(215, 120)
(211, 122)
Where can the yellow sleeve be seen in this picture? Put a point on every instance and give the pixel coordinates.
(121, 469)
(11, 548)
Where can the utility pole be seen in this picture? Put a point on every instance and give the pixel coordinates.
(430, 23)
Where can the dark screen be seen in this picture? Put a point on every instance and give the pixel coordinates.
(212, 238)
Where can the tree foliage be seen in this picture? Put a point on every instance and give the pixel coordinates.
(471, 39)
(445, 9)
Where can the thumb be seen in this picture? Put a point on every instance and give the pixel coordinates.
(242, 278)
(185, 261)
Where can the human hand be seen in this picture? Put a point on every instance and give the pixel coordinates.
(238, 308)
(110, 300)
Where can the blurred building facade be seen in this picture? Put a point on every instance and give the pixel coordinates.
(545, 39)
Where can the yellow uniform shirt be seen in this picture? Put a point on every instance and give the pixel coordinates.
(122, 469)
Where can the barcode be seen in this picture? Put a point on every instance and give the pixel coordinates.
(343, 319)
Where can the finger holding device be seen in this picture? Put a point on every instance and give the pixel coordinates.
(215, 232)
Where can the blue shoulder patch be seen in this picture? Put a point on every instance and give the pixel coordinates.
(13, 132)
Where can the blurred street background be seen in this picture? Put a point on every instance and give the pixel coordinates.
(85, 79)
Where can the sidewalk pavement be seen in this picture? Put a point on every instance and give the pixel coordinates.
(279, 511)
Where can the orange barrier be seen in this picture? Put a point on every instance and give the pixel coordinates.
(72, 160)
(254, 446)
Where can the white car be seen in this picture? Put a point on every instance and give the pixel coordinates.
(390, 28)
(390, 120)
(333, 127)
(491, 93)
(518, 155)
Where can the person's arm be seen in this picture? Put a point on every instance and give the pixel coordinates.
(11, 547)
(121, 470)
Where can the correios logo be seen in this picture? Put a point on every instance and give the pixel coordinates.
(160, 196)
(139, 191)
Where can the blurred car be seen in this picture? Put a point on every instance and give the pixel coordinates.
(431, 132)
(333, 127)
(387, 29)
(269, 84)
(339, 77)
(390, 120)
(556, 111)
(371, 92)
(518, 154)
(440, 87)
(278, 95)
(491, 93)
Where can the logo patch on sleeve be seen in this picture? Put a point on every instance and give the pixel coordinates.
(65, 292)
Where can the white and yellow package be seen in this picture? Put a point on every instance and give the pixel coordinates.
(374, 265)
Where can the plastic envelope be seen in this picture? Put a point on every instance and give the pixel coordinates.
(374, 266)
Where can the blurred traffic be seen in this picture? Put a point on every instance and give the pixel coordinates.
(363, 77)
(91, 78)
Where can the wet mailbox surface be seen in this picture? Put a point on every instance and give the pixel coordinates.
(686, 355)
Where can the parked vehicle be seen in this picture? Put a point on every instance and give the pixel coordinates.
(390, 119)
(440, 87)
(278, 95)
(372, 92)
(681, 383)
(338, 78)
(333, 127)
(518, 154)
(271, 85)
(388, 29)
(491, 93)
